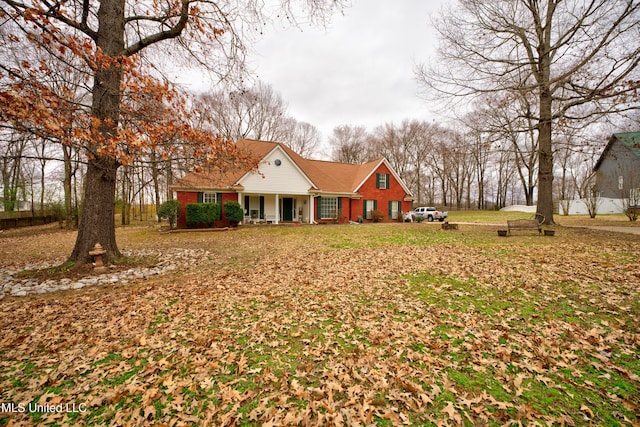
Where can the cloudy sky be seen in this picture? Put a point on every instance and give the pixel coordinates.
(357, 71)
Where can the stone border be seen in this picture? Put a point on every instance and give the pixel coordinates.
(168, 261)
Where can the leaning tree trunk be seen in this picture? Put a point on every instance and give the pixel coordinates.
(97, 220)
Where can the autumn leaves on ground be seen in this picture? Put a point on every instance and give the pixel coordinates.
(335, 325)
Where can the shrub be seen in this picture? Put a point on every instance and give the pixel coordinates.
(57, 210)
(202, 214)
(377, 216)
(169, 210)
(233, 212)
(419, 218)
(632, 213)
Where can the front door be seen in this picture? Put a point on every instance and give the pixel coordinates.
(287, 209)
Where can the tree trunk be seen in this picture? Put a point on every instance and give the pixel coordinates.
(97, 220)
(545, 159)
(545, 152)
(155, 174)
(141, 193)
(124, 196)
(77, 202)
(169, 178)
(66, 184)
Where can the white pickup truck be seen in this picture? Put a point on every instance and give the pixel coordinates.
(429, 213)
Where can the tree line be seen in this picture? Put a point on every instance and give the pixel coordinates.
(481, 161)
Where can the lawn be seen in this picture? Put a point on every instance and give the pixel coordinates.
(381, 324)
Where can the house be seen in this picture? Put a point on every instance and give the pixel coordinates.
(289, 188)
(617, 176)
(618, 168)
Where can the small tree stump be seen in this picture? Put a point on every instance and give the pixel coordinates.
(447, 226)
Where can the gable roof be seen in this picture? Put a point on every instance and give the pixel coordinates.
(257, 148)
(630, 140)
(325, 176)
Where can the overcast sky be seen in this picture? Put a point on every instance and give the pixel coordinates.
(357, 71)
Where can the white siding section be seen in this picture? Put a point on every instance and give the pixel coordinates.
(284, 179)
(604, 206)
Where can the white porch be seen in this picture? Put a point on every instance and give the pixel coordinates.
(276, 208)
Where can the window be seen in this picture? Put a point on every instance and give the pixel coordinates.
(328, 207)
(382, 181)
(634, 197)
(369, 205)
(394, 209)
(254, 207)
(620, 182)
(210, 197)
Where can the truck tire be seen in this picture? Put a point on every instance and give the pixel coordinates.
(430, 218)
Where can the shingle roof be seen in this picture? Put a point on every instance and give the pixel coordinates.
(631, 140)
(328, 177)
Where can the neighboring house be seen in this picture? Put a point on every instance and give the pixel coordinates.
(289, 188)
(617, 173)
(618, 168)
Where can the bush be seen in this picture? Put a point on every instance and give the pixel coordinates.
(419, 218)
(632, 213)
(202, 214)
(233, 212)
(377, 216)
(169, 210)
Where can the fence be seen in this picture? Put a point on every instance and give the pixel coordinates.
(6, 223)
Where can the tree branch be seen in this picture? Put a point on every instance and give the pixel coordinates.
(171, 33)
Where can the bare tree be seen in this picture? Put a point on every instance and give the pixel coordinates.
(11, 168)
(350, 144)
(304, 138)
(426, 140)
(257, 113)
(504, 172)
(480, 142)
(440, 163)
(400, 145)
(591, 195)
(558, 54)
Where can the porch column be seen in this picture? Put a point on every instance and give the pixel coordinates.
(311, 209)
(241, 202)
(277, 208)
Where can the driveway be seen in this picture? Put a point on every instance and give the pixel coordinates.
(630, 230)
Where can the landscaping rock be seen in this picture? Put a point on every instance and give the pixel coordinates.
(168, 261)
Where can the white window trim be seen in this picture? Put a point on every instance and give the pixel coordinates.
(209, 197)
(395, 209)
(331, 211)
